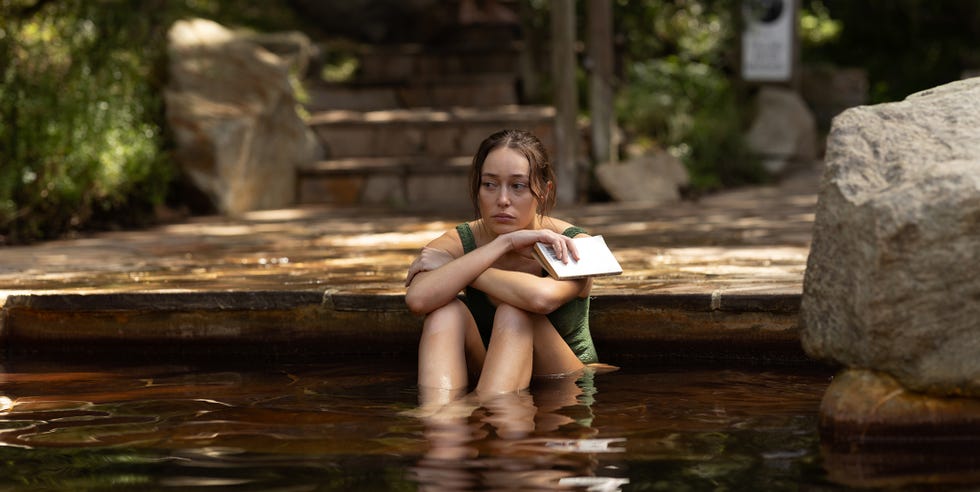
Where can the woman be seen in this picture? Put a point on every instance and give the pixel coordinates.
(515, 322)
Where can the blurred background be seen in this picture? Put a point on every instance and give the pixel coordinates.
(87, 140)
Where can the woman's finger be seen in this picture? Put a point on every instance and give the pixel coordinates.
(560, 251)
(411, 273)
(572, 250)
(413, 270)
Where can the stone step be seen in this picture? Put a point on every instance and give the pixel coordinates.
(401, 181)
(424, 131)
(386, 165)
(471, 91)
(649, 326)
(352, 97)
(407, 63)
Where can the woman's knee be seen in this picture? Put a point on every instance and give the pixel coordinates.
(511, 319)
(451, 318)
(511, 313)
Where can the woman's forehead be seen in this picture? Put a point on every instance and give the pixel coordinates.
(506, 162)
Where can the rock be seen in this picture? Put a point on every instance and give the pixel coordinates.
(829, 90)
(892, 282)
(233, 115)
(784, 132)
(655, 178)
(864, 406)
(875, 433)
(292, 47)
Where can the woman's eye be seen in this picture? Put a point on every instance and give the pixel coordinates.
(519, 186)
(489, 185)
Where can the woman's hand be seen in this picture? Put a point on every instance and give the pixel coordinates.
(523, 240)
(429, 259)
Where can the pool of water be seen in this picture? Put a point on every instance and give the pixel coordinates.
(357, 426)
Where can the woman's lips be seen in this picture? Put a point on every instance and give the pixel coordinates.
(503, 217)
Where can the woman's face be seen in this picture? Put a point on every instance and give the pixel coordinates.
(505, 199)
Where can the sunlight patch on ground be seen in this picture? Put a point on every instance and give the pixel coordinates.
(414, 239)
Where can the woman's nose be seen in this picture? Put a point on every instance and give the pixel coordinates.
(503, 198)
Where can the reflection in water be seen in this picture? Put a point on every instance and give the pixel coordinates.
(944, 462)
(345, 425)
(540, 439)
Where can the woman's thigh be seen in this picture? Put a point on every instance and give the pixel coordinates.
(552, 355)
(453, 325)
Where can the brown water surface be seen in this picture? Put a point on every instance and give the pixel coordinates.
(356, 426)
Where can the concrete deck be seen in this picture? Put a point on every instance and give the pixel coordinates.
(717, 278)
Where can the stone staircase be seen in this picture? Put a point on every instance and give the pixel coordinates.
(403, 132)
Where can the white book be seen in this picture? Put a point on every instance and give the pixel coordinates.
(595, 260)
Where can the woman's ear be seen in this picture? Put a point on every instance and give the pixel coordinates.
(548, 187)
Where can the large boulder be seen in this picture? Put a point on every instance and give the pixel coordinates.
(892, 281)
(233, 114)
(828, 90)
(784, 131)
(654, 178)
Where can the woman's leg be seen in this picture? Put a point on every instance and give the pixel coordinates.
(521, 344)
(507, 367)
(552, 356)
(510, 414)
(449, 344)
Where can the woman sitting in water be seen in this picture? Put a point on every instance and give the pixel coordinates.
(515, 321)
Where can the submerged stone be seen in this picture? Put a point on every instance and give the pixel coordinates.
(875, 433)
(862, 407)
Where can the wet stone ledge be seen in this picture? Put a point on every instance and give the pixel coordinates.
(635, 326)
(165, 301)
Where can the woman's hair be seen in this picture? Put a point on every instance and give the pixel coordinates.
(540, 173)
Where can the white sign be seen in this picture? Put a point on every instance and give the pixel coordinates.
(767, 41)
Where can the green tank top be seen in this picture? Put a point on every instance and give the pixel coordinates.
(571, 319)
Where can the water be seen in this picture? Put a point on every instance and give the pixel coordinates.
(357, 426)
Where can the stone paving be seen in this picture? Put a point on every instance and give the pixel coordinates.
(720, 275)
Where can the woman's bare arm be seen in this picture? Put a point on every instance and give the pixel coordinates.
(435, 279)
(529, 292)
(432, 285)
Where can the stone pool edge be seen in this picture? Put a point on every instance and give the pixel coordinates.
(702, 325)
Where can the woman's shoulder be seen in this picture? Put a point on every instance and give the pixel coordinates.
(561, 226)
(450, 241)
(468, 227)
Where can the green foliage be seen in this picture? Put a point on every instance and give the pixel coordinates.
(817, 27)
(678, 91)
(80, 135)
(905, 45)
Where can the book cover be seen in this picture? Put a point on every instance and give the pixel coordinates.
(595, 260)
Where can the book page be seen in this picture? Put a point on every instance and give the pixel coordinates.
(595, 259)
